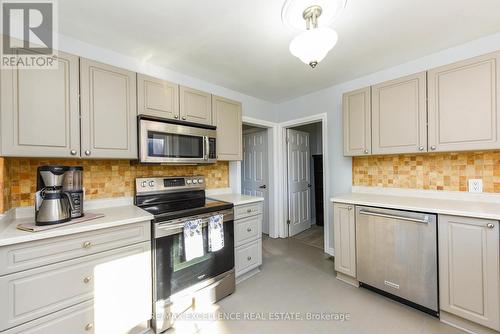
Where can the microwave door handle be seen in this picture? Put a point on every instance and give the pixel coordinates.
(206, 148)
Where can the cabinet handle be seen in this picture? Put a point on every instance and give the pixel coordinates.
(349, 208)
(420, 148)
(249, 258)
(87, 244)
(366, 151)
(73, 152)
(490, 225)
(433, 147)
(87, 152)
(183, 118)
(89, 327)
(249, 229)
(87, 280)
(176, 116)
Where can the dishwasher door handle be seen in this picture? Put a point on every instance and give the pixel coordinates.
(383, 215)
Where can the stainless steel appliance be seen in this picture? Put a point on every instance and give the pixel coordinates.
(52, 204)
(176, 142)
(179, 283)
(397, 255)
(73, 186)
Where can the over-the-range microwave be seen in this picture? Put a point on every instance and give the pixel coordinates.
(176, 142)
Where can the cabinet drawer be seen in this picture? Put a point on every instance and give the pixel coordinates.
(78, 319)
(247, 229)
(34, 254)
(248, 210)
(248, 257)
(31, 294)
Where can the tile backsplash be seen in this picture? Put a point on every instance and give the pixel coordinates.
(102, 178)
(434, 171)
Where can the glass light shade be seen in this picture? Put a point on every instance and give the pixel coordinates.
(313, 45)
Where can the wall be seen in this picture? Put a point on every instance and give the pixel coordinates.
(102, 178)
(329, 101)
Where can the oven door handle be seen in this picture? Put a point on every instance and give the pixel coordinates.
(171, 229)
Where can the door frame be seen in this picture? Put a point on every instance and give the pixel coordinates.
(283, 169)
(273, 172)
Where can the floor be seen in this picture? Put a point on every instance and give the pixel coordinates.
(297, 278)
(313, 236)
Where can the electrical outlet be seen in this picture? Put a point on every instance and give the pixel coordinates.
(475, 185)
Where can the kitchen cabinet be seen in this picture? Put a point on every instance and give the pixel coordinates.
(357, 122)
(156, 97)
(40, 112)
(463, 106)
(108, 111)
(195, 106)
(469, 269)
(228, 120)
(344, 239)
(399, 115)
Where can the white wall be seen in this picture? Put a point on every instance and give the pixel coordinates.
(329, 101)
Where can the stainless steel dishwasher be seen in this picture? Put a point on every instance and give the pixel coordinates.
(397, 255)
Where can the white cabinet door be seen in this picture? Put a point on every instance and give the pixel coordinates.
(195, 106)
(356, 108)
(39, 111)
(469, 269)
(156, 97)
(109, 111)
(464, 112)
(344, 233)
(228, 120)
(399, 115)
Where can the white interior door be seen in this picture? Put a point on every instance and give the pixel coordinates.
(299, 183)
(254, 170)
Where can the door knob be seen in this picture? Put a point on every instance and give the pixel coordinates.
(73, 152)
(309, 185)
(263, 187)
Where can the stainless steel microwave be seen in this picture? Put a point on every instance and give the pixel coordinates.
(176, 142)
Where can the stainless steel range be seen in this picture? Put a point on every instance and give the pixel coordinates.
(178, 282)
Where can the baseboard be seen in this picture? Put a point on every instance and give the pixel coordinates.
(464, 324)
(247, 275)
(348, 279)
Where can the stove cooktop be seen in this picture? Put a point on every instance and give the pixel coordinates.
(209, 206)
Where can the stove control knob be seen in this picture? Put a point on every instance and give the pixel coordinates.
(200, 181)
(188, 182)
(144, 184)
(151, 183)
(195, 181)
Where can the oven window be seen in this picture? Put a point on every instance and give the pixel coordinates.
(169, 145)
(174, 273)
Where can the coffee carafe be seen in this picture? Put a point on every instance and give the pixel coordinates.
(52, 204)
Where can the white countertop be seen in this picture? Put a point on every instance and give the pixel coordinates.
(236, 199)
(466, 208)
(113, 216)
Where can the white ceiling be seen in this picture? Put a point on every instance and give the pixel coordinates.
(243, 45)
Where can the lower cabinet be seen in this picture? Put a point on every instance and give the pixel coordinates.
(248, 238)
(344, 232)
(469, 269)
(106, 292)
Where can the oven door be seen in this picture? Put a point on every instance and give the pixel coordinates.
(173, 273)
(163, 142)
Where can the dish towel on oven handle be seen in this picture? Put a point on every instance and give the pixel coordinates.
(215, 233)
(193, 239)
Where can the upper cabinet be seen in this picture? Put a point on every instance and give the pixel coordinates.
(228, 119)
(156, 97)
(399, 115)
(108, 111)
(195, 106)
(39, 110)
(357, 122)
(463, 105)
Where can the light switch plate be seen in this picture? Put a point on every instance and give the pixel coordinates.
(475, 185)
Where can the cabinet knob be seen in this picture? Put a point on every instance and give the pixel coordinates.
(183, 118)
(366, 151)
(89, 327)
(87, 152)
(73, 152)
(490, 225)
(249, 210)
(433, 147)
(349, 208)
(176, 116)
(87, 244)
(420, 148)
(249, 258)
(249, 229)
(87, 280)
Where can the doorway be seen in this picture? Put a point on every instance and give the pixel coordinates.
(304, 151)
(255, 167)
